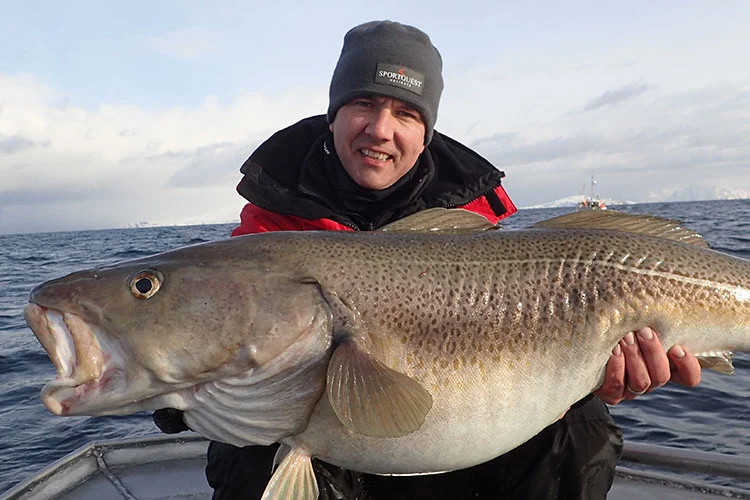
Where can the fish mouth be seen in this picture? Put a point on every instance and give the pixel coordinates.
(84, 368)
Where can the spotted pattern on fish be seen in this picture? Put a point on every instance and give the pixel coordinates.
(432, 291)
(496, 333)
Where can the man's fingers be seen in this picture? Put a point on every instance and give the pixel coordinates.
(639, 364)
(654, 357)
(687, 370)
(613, 388)
(636, 369)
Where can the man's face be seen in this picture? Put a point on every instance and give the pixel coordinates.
(378, 139)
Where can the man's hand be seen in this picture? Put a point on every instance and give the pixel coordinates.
(638, 364)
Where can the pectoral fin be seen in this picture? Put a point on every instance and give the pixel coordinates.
(371, 399)
(717, 361)
(293, 480)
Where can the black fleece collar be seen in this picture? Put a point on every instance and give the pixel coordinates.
(324, 178)
(292, 174)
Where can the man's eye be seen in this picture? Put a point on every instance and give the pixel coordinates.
(366, 104)
(408, 114)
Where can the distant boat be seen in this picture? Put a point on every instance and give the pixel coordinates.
(591, 202)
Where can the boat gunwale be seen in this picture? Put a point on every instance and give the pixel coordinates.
(112, 456)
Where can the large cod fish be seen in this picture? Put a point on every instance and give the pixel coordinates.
(435, 344)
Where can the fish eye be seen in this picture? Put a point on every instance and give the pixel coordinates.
(144, 284)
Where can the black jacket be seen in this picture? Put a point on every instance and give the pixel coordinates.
(296, 173)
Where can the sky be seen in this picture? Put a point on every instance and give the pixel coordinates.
(115, 113)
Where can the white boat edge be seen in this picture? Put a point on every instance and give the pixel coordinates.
(172, 467)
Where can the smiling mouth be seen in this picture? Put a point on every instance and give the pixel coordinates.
(375, 155)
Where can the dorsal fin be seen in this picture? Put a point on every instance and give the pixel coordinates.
(620, 221)
(441, 220)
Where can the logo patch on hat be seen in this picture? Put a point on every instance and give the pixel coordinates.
(400, 76)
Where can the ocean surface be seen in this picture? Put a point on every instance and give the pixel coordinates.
(713, 417)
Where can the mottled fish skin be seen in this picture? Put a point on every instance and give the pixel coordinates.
(498, 324)
(505, 330)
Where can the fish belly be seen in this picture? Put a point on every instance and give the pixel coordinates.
(474, 419)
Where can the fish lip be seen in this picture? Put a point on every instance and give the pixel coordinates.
(56, 395)
(73, 347)
(38, 320)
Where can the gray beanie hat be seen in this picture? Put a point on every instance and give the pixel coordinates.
(390, 59)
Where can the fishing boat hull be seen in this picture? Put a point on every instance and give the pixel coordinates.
(171, 467)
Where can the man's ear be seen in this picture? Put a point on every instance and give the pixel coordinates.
(330, 127)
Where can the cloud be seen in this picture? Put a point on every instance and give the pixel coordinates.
(66, 167)
(654, 150)
(24, 90)
(508, 149)
(616, 96)
(47, 195)
(14, 144)
(188, 44)
(207, 166)
(678, 138)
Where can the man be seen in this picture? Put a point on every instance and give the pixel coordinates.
(373, 159)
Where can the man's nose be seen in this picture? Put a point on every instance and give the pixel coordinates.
(381, 124)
